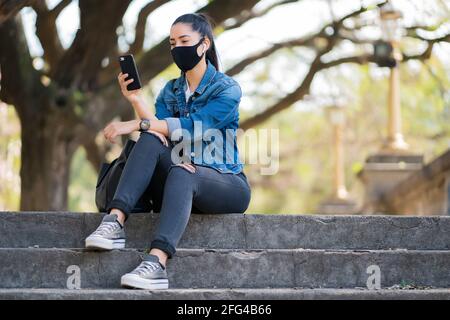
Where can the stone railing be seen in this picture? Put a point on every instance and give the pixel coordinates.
(425, 192)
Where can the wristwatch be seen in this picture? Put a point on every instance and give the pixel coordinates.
(144, 125)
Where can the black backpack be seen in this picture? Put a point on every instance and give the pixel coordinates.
(108, 179)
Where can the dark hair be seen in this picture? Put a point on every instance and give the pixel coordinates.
(203, 24)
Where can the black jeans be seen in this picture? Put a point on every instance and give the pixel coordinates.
(174, 191)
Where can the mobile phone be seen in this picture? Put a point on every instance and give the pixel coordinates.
(128, 65)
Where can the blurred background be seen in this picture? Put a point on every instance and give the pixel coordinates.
(358, 91)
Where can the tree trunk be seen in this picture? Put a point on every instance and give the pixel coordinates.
(47, 149)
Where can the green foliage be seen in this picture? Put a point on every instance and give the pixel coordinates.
(10, 146)
(304, 178)
(82, 184)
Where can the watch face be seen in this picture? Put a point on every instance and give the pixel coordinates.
(145, 124)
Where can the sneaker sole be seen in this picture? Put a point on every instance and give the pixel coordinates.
(136, 282)
(104, 244)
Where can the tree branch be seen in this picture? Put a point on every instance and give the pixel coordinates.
(9, 8)
(412, 30)
(80, 64)
(247, 15)
(362, 59)
(317, 66)
(47, 32)
(19, 80)
(239, 67)
(60, 7)
(426, 54)
(138, 44)
(291, 98)
(304, 41)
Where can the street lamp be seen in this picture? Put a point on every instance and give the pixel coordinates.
(387, 54)
(337, 119)
(390, 22)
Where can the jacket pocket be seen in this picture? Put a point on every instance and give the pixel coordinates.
(172, 107)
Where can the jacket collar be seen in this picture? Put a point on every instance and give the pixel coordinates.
(206, 80)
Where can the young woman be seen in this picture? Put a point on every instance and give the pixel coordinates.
(201, 103)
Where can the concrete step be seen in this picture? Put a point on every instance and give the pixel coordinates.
(222, 268)
(249, 231)
(224, 294)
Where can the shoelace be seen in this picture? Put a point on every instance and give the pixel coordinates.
(146, 267)
(105, 228)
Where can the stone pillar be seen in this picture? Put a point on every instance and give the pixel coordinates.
(381, 173)
(338, 206)
(394, 140)
(339, 202)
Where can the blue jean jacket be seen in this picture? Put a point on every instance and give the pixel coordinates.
(207, 123)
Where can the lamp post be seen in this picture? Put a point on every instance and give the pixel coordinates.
(394, 162)
(340, 201)
(337, 120)
(388, 54)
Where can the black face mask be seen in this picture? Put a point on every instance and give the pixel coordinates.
(186, 57)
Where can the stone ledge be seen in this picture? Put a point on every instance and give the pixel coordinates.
(225, 294)
(195, 268)
(68, 229)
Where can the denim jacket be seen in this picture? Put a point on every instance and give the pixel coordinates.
(207, 123)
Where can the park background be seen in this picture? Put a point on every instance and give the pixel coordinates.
(269, 47)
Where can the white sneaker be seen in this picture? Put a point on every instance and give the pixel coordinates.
(149, 275)
(109, 235)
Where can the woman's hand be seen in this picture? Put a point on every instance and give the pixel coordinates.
(160, 136)
(188, 166)
(132, 95)
(115, 129)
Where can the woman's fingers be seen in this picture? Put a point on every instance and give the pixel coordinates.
(164, 140)
(110, 133)
(189, 167)
(161, 137)
(183, 165)
(106, 132)
(124, 84)
(109, 136)
(122, 78)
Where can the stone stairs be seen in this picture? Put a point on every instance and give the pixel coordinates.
(232, 256)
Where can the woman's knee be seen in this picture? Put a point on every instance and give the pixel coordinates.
(150, 138)
(179, 177)
(246, 197)
(151, 143)
(179, 173)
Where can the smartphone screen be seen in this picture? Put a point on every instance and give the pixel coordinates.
(128, 65)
